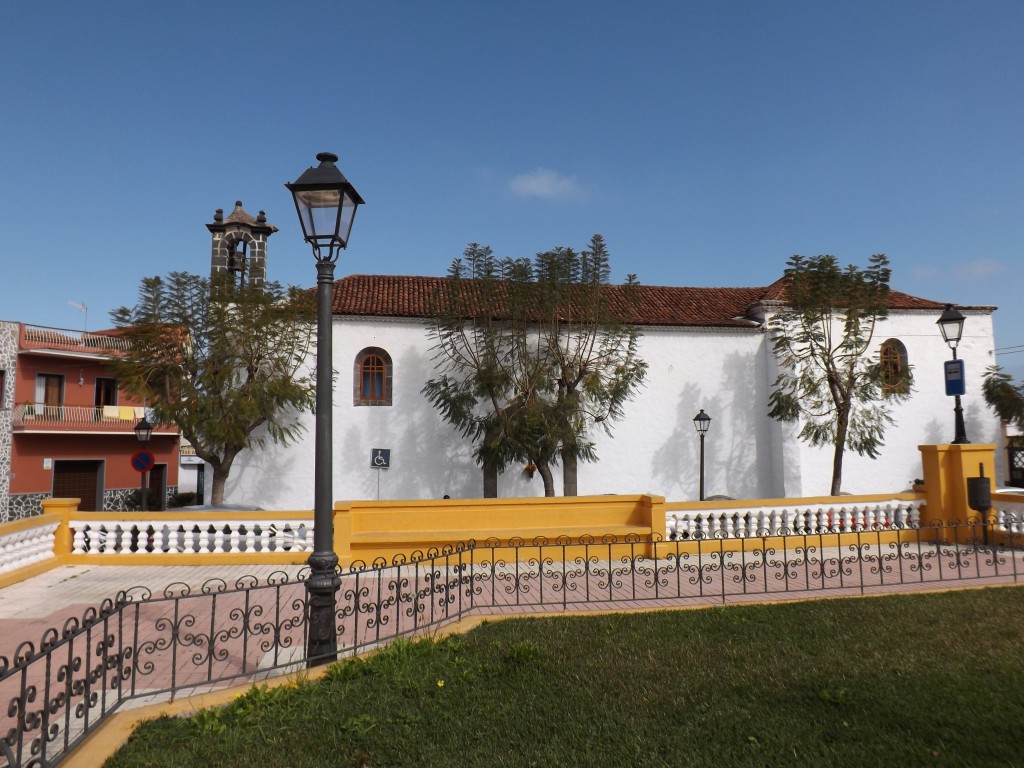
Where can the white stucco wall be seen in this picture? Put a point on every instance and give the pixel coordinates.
(654, 448)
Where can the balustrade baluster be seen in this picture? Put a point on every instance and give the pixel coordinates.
(872, 518)
(78, 539)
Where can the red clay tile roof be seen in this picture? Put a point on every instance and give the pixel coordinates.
(412, 296)
(897, 300)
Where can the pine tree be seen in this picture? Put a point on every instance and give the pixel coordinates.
(532, 355)
(220, 361)
(822, 340)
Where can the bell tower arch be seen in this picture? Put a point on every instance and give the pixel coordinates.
(239, 245)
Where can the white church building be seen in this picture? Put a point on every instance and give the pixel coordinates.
(707, 348)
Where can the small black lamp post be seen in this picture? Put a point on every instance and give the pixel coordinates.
(702, 421)
(951, 324)
(326, 203)
(143, 432)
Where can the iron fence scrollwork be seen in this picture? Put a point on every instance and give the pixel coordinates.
(185, 640)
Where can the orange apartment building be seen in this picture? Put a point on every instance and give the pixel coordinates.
(67, 429)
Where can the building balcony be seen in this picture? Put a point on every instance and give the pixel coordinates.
(116, 419)
(43, 340)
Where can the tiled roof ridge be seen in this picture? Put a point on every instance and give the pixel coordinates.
(411, 296)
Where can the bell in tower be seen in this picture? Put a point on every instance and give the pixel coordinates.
(239, 246)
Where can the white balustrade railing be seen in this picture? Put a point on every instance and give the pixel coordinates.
(112, 417)
(1009, 516)
(122, 537)
(27, 546)
(169, 535)
(744, 522)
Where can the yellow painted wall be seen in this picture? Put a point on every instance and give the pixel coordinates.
(366, 530)
(946, 469)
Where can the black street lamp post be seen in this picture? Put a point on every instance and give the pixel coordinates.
(951, 324)
(702, 421)
(143, 432)
(326, 203)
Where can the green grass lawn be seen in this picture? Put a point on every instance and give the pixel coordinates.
(933, 679)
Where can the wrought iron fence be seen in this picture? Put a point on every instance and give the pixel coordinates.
(140, 647)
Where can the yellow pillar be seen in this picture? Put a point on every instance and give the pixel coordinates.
(946, 469)
(62, 536)
(343, 531)
(654, 515)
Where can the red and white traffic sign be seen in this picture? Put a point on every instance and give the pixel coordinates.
(143, 460)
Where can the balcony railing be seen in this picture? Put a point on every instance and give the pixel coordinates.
(41, 337)
(71, 418)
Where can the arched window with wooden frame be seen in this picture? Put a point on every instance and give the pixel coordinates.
(372, 377)
(895, 368)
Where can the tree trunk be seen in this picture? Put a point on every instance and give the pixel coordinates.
(545, 474)
(217, 487)
(837, 469)
(842, 427)
(569, 470)
(221, 470)
(490, 471)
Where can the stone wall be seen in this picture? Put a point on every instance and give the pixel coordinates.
(8, 362)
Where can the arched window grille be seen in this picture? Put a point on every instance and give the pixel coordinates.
(895, 367)
(372, 376)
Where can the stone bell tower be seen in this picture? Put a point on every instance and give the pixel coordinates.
(240, 245)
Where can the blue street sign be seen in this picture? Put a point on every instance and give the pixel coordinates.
(955, 377)
(380, 458)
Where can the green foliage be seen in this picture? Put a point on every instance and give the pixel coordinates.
(531, 355)
(1004, 396)
(182, 499)
(134, 501)
(927, 679)
(219, 361)
(822, 339)
(522, 654)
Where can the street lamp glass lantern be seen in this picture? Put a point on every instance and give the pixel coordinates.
(951, 323)
(702, 421)
(143, 431)
(326, 203)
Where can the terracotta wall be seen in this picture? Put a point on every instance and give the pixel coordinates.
(75, 394)
(30, 450)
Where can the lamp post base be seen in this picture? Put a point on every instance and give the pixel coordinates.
(321, 605)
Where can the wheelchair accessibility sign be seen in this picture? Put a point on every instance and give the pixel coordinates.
(380, 458)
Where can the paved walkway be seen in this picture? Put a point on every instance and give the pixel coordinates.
(64, 595)
(30, 607)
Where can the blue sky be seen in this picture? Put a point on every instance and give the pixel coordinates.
(708, 142)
